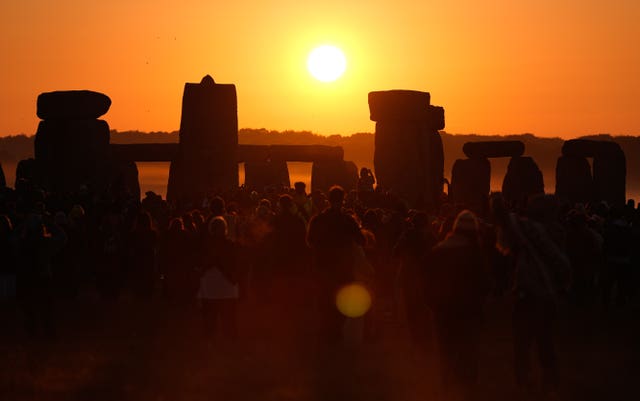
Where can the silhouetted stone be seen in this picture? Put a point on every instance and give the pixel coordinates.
(261, 175)
(328, 173)
(72, 105)
(436, 117)
(489, 149)
(3, 181)
(609, 178)
(522, 180)
(471, 184)
(208, 140)
(408, 151)
(609, 167)
(573, 179)
(71, 152)
(589, 148)
(123, 180)
(434, 151)
(399, 105)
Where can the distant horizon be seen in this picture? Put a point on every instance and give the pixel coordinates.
(177, 131)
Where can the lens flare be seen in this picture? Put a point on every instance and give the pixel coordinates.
(353, 300)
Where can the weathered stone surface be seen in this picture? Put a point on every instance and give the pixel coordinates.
(328, 173)
(471, 184)
(261, 175)
(72, 105)
(398, 160)
(523, 179)
(399, 105)
(408, 160)
(489, 149)
(573, 179)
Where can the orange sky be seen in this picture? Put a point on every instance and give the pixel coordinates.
(549, 67)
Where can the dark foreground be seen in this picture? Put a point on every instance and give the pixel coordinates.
(131, 350)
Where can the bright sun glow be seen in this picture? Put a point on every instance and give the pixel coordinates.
(326, 63)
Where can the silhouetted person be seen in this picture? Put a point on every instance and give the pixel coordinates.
(111, 254)
(456, 286)
(218, 290)
(584, 249)
(542, 273)
(39, 241)
(414, 251)
(287, 269)
(302, 201)
(332, 235)
(142, 255)
(7, 258)
(177, 263)
(617, 253)
(366, 180)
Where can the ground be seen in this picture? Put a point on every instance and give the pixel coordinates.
(130, 350)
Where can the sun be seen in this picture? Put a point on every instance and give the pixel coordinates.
(326, 63)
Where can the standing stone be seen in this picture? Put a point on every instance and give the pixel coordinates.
(609, 167)
(609, 178)
(3, 180)
(408, 152)
(208, 140)
(573, 179)
(523, 179)
(471, 184)
(72, 152)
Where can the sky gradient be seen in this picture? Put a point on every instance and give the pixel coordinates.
(552, 68)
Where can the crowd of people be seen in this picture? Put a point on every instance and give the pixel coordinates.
(296, 250)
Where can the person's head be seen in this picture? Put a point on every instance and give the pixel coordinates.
(364, 172)
(217, 206)
(300, 187)
(176, 225)
(218, 228)
(466, 224)
(336, 196)
(285, 203)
